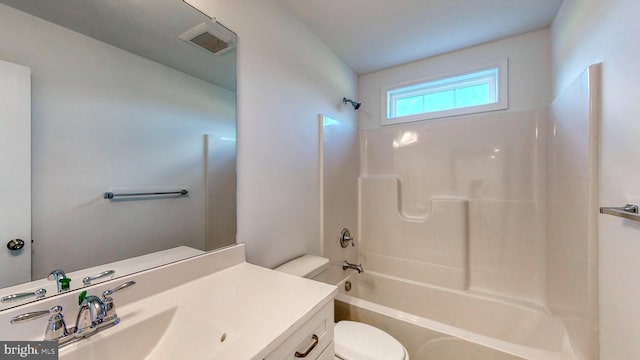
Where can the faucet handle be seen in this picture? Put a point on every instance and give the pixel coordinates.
(36, 314)
(56, 328)
(108, 301)
(87, 280)
(39, 294)
(108, 293)
(345, 238)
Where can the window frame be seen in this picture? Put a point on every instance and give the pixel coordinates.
(501, 92)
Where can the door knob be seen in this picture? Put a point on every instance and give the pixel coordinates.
(15, 244)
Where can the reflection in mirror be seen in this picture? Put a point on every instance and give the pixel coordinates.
(128, 96)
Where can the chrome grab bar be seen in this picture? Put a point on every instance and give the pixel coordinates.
(629, 211)
(89, 279)
(40, 293)
(110, 195)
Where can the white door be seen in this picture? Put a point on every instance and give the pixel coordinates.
(15, 173)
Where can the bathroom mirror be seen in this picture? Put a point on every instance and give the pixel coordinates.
(127, 97)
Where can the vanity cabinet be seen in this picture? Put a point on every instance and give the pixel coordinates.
(328, 353)
(317, 331)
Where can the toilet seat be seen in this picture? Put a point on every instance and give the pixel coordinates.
(358, 341)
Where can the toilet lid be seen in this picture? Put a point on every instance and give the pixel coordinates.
(358, 341)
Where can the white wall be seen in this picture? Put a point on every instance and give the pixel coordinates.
(340, 170)
(286, 77)
(104, 118)
(592, 31)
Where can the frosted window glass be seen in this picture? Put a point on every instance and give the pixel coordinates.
(439, 101)
(473, 96)
(409, 106)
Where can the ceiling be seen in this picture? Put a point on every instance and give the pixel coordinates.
(370, 35)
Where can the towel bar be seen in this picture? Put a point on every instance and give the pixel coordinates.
(629, 211)
(110, 195)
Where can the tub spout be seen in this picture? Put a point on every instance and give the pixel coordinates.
(347, 265)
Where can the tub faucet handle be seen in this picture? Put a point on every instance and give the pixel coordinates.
(345, 238)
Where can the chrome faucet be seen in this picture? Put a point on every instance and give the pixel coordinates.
(58, 275)
(347, 265)
(94, 315)
(91, 314)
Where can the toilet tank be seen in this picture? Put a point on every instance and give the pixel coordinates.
(306, 266)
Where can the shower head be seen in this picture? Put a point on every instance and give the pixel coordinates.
(355, 104)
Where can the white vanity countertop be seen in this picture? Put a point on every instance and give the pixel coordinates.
(265, 306)
(214, 306)
(255, 307)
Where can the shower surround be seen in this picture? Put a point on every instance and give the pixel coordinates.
(477, 228)
(497, 206)
(457, 203)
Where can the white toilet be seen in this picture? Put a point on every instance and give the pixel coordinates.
(353, 340)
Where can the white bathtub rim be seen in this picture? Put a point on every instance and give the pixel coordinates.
(526, 352)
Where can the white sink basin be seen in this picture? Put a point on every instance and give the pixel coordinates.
(204, 338)
(165, 335)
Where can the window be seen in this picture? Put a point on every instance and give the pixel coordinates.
(472, 92)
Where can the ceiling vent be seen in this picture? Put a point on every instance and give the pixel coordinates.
(211, 37)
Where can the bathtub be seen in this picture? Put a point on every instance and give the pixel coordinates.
(443, 324)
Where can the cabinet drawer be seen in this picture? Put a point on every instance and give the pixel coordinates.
(328, 353)
(311, 338)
